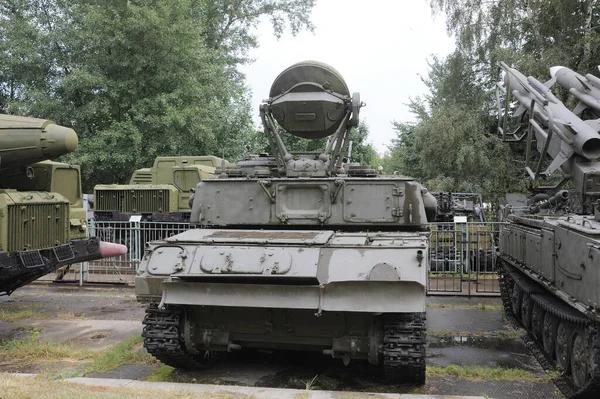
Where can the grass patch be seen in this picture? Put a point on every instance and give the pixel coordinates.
(35, 311)
(126, 352)
(442, 333)
(21, 388)
(69, 316)
(11, 316)
(34, 349)
(477, 306)
(31, 329)
(476, 373)
(161, 374)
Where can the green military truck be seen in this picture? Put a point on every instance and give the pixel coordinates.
(159, 194)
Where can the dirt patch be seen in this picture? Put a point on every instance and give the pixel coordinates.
(71, 303)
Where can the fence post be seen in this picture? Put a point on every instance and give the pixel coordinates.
(83, 272)
(137, 245)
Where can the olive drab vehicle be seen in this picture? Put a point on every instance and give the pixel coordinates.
(58, 177)
(160, 193)
(42, 222)
(549, 253)
(296, 252)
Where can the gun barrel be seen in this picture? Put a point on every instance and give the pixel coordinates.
(558, 199)
(24, 141)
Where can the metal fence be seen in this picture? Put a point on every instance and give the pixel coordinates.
(134, 235)
(462, 255)
(120, 269)
(463, 259)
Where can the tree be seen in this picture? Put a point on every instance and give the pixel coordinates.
(403, 156)
(535, 34)
(137, 79)
(453, 147)
(228, 24)
(363, 151)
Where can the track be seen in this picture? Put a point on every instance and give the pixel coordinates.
(559, 337)
(404, 348)
(162, 339)
(403, 344)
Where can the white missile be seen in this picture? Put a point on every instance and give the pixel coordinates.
(581, 136)
(585, 88)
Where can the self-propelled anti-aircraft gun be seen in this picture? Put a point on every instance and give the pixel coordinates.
(296, 251)
(550, 264)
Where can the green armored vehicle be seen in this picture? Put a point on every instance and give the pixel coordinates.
(296, 252)
(42, 223)
(160, 193)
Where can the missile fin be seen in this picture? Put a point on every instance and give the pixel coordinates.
(550, 83)
(594, 80)
(585, 84)
(519, 111)
(579, 108)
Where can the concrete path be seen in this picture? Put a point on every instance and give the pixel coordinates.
(254, 392)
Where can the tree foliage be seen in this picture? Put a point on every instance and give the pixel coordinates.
(454, 145)
(537, 33)
(137, 78)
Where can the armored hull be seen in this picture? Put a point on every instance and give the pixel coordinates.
(550, 279)
(346, 292)
(342, 294)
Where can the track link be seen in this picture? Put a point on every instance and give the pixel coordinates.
(510, 278)
(404, 348)
(162, 339)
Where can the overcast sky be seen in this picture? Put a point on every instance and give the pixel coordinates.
(379, 46)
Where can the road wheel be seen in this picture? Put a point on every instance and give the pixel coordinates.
(526, 307)
(564, 334)
(516, 299)
(549, 334)
(581, 366)
(537, 322)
